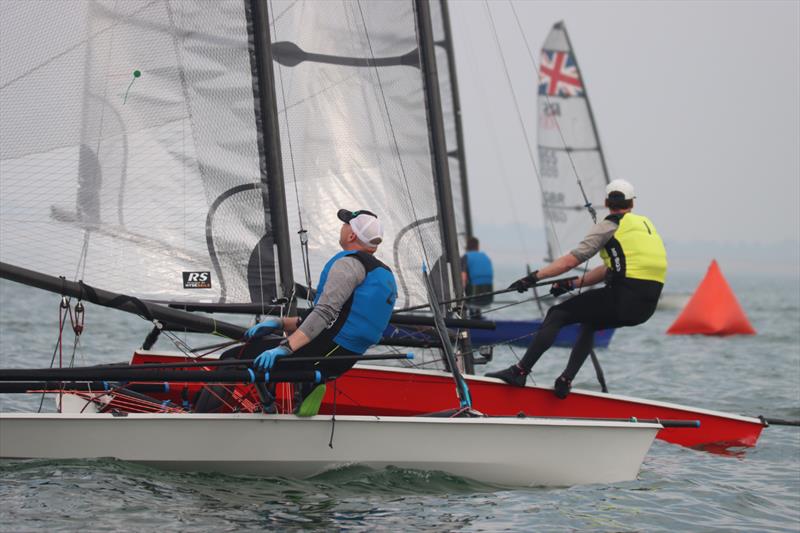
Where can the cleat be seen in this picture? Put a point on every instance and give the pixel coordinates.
(562, 387)
(512, 375)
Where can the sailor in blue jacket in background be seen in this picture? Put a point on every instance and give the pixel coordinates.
(477, 276)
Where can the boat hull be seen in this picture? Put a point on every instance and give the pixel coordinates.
(514, 332)
(505, 451)
(520, 333)
(407, 392)
(370, 389)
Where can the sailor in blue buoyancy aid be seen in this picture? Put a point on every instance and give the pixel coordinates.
(354, 301)
(477, 276)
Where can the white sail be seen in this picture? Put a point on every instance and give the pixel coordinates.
(354, 132)
(569, 148)
(127, 128)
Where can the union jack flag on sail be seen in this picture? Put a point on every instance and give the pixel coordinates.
(558, 75)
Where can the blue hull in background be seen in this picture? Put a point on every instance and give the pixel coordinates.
(515, 332)
(520, 333)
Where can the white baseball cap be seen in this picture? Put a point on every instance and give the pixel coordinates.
(365, 224)
(620, 187)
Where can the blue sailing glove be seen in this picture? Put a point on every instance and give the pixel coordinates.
(562, 287)
(263, 328)
(267, 359)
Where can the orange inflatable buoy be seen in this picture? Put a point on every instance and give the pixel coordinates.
(712, 310)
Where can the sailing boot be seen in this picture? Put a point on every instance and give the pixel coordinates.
(562, 387)
(513, 375)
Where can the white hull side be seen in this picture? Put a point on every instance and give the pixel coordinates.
(514, 452)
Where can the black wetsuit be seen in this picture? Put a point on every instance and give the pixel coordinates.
(636, 261)
(625, 302)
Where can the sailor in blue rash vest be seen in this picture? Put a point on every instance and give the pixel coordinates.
(634, 269)
(477, 276)
(354, 301)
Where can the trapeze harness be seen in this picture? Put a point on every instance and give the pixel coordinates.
(637, 267)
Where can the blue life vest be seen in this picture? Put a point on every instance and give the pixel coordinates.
(479, 268)
(365, 315)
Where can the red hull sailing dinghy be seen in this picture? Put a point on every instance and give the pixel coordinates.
(381, 390)
(169, 186)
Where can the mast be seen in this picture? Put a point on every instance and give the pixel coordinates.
(563, 27)
(460, 152)
(439, 150)
(437, 140)
(266, 103)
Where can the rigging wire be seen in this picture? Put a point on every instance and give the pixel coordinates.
(179, 343)
(302, 233)
(588, 204)
(391, 130)
(488, 125)
(63, 310)
(519, 114)
(387, 118)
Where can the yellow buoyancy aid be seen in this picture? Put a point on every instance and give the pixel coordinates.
(636, 250)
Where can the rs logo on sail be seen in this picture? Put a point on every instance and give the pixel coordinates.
(197, 280)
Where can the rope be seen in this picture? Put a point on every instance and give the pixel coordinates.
(526, 300)
(63, 310)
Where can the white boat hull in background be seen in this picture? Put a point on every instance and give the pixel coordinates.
(506, 451)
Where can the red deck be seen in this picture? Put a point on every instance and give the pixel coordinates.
(373, 390)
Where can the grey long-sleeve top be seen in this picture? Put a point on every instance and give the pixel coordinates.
(594, 241)
(345, 275)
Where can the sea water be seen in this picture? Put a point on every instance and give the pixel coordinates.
(746, 489)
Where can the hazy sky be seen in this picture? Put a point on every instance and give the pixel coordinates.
(697, 104)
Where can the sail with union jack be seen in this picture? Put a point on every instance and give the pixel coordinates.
(558, 75)
(569, 148)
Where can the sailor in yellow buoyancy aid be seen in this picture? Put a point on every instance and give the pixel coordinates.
(634, 268)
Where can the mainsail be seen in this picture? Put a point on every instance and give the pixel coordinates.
(569, 148)
(129, 151)
(132, 150)
(355, 133)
